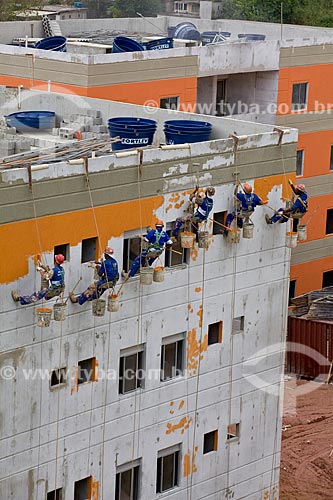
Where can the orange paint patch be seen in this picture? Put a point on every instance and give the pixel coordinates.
(198, 289)
(72, 228)
(181, 404)
(190, 308)
(94, 490)
(187, 462)
(264, 185)
(178, 205)
(200, 314)
(182, 425)
(75, 386)
(194, 253)
(194, 350)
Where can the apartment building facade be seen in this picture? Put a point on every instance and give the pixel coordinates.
(202, 416)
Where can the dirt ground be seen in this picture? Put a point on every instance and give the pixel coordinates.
(307, 442)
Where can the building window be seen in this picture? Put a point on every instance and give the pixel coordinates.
(327, 279)
(55, 495)
(221, 98)
(132, 248)
(169, 103)
(58, 377)
(331, 159)
(172, 357)
(63, 249)
(176, 255)
(238, 325)
(220, 218)
(215, 333)
(233, 432)
(210, 442)
(82, 489)
(329, 221)
(127, 481)
(299, 162)
(292, 290)
(167, 469)
(131, 369)
(88, 251)
(300, 96)
(86, 371)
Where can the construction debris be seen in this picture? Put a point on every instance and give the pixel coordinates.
(314, 305)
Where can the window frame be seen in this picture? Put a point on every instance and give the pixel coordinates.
(89, 480)
(292, 288)
(135, 467)
(329, 223)
(176, 97)
(179, 340)
(63, 375)
(207, 435)
(168, 255)
(217, 229)
(241, 320)
(331, 159)
(139, 351)
(322, 281)
(92, 371)
(64, 249)
(298, 106)
(302, 162)
(219, 333)
(56, 494)
(231, 436)
(162, 454)
(128, 236)
(95, 238)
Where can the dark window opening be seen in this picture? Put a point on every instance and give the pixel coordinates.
(210, 442)
(238, 325)
(233, 431)
(292, 290)
(130, 372)
(172, 360)
(167, 472)
(220, 218)
(58, 377)
(215, 333)
(299, 96)
(55, 494)
(89, 248)
(299, 162)
(127, 484)
(329, 221)
(176, 255)
(169, 103)
(82, 489)
(221, 98)
(86, 370)
(132, 248)
(331, 159)
(327, 279)
(63, 249)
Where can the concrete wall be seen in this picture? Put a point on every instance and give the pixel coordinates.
(91, 429)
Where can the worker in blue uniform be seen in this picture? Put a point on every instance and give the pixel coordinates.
(201, 213)
(247, 202)
(298, 208)
(56, 283)
(109, 275)
(154, 243)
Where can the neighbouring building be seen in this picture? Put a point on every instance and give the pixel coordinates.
(201, 416)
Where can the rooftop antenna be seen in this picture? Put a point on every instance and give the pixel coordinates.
(149, 22)
(281, 20)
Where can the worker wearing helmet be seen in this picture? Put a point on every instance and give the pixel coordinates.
(204, 206)
(55, 279)
(298, 208)
(246, 201)
(154, 243)
(108, 274)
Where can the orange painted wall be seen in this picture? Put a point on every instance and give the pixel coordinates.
(319, 77)
(72, 228)
(132, 93)
(317, 152)
(310, 276)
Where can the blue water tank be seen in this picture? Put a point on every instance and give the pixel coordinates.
(124, 44)
(187, 31)
(161, 43)
(133, 132)
(24, 120)
(183, 131)
(55, 43)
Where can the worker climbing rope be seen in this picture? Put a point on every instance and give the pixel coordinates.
(298, 208)
(246, 203)
(153, 245)
(55, 279)
(204, 205)
(109, 275)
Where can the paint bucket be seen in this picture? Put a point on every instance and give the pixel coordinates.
(158, 275)
(146, 275)
(291, 240)
(98, 307)
(234, 235)
(113, 303)
(248, 229)
(187, 239)
(59, 311)
(43, 316)
(203, 239)
(301, 232)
